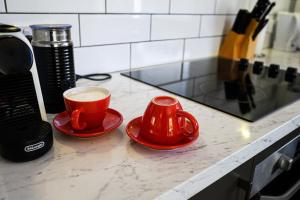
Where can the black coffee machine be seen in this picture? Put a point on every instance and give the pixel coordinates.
(25, 133)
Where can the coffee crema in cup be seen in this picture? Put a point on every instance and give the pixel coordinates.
(87, 94)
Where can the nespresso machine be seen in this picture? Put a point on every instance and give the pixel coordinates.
(25, 133)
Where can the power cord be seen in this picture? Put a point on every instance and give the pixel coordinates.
(91, 77)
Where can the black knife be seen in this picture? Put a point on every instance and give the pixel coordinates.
(268, 11)
(259, 9)
(259, 28)
(241, 22)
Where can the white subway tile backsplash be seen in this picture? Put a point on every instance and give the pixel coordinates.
(102, 59)
(215, 25)
(137, 6)
(193, 6)
(201, 47)
(2, 6)
(174, 26)
(152, 53)
(114, 35)
(231, 6)
(57, 6)
(108, 29)
(29, 19)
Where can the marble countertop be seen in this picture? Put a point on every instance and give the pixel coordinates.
(113, 167)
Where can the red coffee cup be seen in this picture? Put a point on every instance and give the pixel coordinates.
(164, 122)
(86, 106)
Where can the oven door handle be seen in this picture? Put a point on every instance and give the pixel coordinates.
(288, 195)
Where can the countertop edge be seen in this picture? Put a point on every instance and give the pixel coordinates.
(207, 177)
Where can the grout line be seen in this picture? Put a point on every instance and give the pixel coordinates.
(105, 2)
(183, 53)
(200, 26)
(130, 56)
(169, 6)
(145, 41)
(5, 5)
(81, 13)
(79, 26)
(216, 2)
(150, 27)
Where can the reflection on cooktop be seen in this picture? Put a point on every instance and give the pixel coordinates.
(248, 91)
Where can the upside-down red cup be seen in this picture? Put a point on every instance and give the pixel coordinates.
(86, 106)
(164, 122)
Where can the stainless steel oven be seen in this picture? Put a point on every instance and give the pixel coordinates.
(277, 177)
(273, 174)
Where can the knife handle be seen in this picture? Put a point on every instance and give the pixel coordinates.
(259, 28)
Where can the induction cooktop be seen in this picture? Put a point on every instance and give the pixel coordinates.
(247, 91)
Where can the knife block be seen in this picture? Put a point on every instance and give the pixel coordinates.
(249, 45)
(231, 47)
(237, 46)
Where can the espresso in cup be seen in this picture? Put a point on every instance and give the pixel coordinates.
(86, 106)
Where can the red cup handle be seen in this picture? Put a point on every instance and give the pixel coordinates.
(75, 120)
(192, 119)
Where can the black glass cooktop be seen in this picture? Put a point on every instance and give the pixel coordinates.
(247, 91)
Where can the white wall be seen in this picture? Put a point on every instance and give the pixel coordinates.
(297, 8)
(114, 35)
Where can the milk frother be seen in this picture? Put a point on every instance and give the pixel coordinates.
(53, 49)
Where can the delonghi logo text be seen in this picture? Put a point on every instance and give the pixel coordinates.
(34, 147)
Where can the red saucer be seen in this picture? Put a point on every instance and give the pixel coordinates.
(112, 120)
(133, 130)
